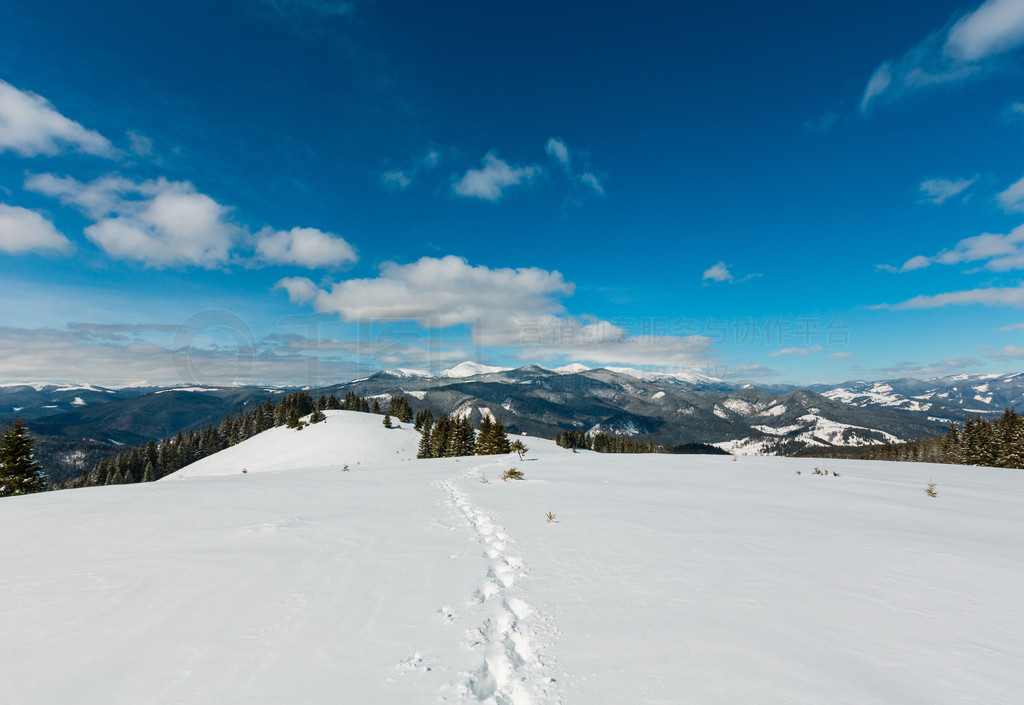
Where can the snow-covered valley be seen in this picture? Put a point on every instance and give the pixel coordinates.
(662, 579)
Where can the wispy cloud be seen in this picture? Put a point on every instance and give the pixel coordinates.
(840, 355)
(30, 126)
(968, 46)
(404, 177)
(798, 352)
(496, 176)
(1011, 297)
(906, 368)
(1010, 328)
(1012, 198)
(23, 230)
(938, 191)
(557, 150)
(998, 252)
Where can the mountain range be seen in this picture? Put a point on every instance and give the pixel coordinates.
(78, 423)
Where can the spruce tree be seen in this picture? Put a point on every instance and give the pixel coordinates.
(387, 420)
(20, 472)
(425, 450)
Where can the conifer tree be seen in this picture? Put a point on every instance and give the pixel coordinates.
(20, 472)
(425, 449)
(387, 420)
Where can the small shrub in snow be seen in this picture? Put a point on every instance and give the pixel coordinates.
(930, 490)
(345, 469)
(519, 448)
(244, 470)
(512, 474)
(483, 478)
(550, 517)
(799, 473)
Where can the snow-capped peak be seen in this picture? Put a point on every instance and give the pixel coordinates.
(406, 372)
(471, 369)
(678, 376)
(571, 369)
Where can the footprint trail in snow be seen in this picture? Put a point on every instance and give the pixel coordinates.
(514, 639)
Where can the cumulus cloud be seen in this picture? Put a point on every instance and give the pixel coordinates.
(969, 46)
(305, 247)
(717, 273)
(448, 289)
(158, 222)
(23, 230)
(30, 126)
(798, 352)
(519, 308)
(490, 182)
(557, 150)
(1012, 297)
(938, 191)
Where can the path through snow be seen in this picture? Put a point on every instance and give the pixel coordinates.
(513, 639)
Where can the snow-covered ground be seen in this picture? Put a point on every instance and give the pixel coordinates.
(663, 579)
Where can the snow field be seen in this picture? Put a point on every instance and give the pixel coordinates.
(664, 579)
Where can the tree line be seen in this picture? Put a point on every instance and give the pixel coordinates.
(997, 442)
(603, 443)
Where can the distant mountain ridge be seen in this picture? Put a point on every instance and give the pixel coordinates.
(668, 408)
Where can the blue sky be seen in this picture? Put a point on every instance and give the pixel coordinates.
(302, 191)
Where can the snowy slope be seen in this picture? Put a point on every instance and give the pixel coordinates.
(346, 438)
(664, 579)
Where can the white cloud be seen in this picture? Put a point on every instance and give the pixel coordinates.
(158, 222)
(490, 182)
(591, 181)
(1012, 327)
(448, 289)
(23, 230)
(122, 355)
(519, 308)
(558, 151)
(1001, 253)
(968, 47)
(878, 84)
(30, 126)
(914, 263)
(841, 355)
(995, 27)
(1009, 352)
(664, 351)
(305, 247)
(798, 352)
(395, 180)
(1012, 199)
(141, 145)
(938, 191)
(718, 272)
(1012, 297)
